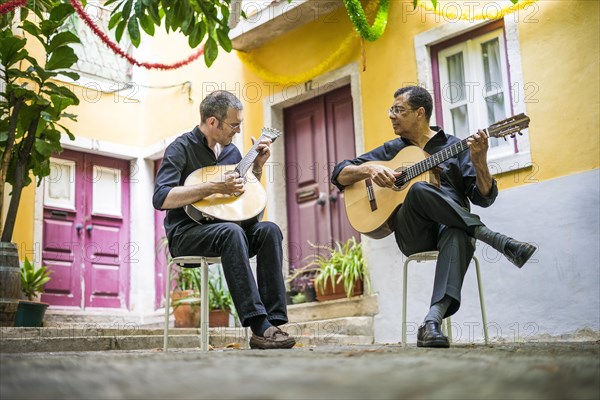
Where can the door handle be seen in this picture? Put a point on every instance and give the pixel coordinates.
(333, 198)
(79, 227)
(89, 228)
(322, 199)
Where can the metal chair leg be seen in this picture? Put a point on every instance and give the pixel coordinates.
(483, 315)
(448, 321)
(167, 308)
(204, 307)
(404, 295)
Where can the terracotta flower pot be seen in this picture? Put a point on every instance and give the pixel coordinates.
(337, 292)
(186, 315)
(218, 318)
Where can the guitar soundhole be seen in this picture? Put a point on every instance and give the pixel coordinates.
(401, 181)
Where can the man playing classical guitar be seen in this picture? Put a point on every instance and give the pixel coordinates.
(436, 218)
(263, 306)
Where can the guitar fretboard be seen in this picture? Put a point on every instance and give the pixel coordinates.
(246, 163)
(508, 126)
(425, 165)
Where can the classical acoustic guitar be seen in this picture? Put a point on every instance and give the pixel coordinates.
(369, 206)
(238, 208)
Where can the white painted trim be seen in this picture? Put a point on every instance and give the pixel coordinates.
(102, 147)
(273, 116)
(425, 40)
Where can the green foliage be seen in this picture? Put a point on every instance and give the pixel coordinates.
(219, 297)
(342, 263)
(33, 280)
(190, 279)
(32, 105)
(195, 19)
(435, 2)
(299, 298)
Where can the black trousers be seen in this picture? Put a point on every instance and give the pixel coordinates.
(235, 245)
(429, 220)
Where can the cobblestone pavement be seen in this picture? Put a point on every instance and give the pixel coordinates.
(563, 370)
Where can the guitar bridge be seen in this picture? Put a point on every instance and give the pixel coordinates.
(371, 194)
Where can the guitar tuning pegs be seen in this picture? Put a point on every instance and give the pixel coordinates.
(512, 136)
(520, 133)
(504, 137)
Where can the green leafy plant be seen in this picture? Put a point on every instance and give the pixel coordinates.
(32, 105)
(193, 18)
(299, 298)
(33, 280)
(219, 297)
(342, 263)
(189, 279)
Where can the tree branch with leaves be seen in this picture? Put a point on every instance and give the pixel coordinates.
(32, 105)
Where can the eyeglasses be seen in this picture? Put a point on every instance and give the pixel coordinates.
(232, 126)
(397, 110)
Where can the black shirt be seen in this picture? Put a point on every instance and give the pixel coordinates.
(186, 154)
(457, 178)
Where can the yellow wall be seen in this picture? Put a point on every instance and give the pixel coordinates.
(23, 232)
(561, 55)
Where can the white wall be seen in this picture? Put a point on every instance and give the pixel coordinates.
(557, 292)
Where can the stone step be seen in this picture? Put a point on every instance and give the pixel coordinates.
(317, 311)
(119, 319)
(343, 331)
(153, 342)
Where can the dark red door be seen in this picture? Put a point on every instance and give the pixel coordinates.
(319, 133)
(86, 231)
(160, 261)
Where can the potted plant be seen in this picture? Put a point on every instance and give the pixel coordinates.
(185, 298)
(340, 271)
(301, 284)
(219, 300)
(31, 312)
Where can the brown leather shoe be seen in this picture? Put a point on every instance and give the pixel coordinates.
(274, 338)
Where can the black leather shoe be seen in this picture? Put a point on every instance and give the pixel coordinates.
(518, 252)
(430, 335)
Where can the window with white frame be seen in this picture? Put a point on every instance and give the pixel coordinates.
(97, 62)
(474, 87)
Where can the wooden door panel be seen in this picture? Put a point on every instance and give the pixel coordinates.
(319, 134)
(160, 262)
(306, 153)
(106, 258)
(61, 239)
(87, 251)
(340, 146)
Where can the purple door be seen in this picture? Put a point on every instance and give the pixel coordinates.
(319, 133)
(160, 263)
(86, 231)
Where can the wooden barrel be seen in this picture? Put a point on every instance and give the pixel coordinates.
(10, 283)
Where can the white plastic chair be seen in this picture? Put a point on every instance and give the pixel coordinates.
(432, 256)
(181, 262)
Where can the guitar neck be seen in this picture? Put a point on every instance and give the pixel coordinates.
(246, 163)
(508, 126)
(432, 161)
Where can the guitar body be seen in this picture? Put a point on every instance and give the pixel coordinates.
(247, 206)
(370, 215)
(369, 207)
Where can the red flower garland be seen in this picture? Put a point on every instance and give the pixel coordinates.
(11, 5)
(118, 51)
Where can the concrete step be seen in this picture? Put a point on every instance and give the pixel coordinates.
(342, 331)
